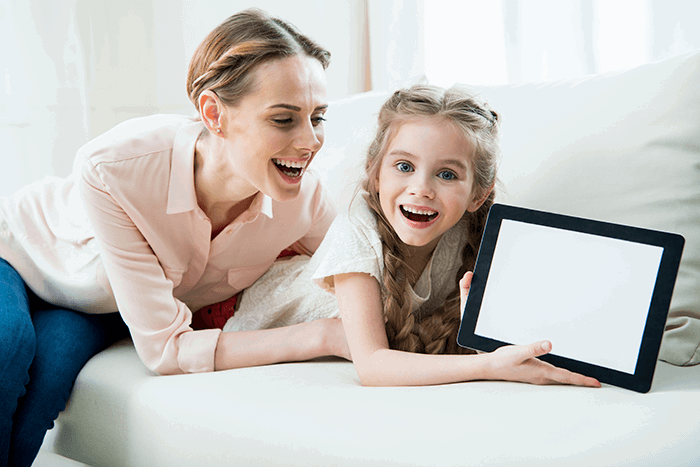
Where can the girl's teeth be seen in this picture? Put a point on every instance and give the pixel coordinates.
(419, 211)
(418, 215)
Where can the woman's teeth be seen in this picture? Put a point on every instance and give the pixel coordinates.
(290, 168)
(418, 215)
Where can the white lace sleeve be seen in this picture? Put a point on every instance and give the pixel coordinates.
(352, 245)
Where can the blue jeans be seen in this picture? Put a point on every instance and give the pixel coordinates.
(42, 349)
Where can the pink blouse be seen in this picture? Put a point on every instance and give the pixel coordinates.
(124, 231)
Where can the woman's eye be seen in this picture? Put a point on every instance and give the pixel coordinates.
(315, 121)
(404, 167)
(447, 175)
(282, 121)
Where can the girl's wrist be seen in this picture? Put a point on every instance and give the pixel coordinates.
(486, 366)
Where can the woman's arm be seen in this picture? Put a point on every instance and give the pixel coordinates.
(159, 323)
(360, 305)
(299, 342)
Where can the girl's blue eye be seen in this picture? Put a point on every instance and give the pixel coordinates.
(317, 121)
(447, 175)
(404, 167)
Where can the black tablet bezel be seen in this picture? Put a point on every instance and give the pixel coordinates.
(672, 245)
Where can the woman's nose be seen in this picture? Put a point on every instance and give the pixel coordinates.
(309, 138)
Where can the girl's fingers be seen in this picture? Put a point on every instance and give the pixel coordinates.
(464, 285)
(539, 348)
(569, 377)
(560, 375)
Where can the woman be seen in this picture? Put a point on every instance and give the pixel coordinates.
(161, 216)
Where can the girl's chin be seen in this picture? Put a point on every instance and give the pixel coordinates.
(419, 242)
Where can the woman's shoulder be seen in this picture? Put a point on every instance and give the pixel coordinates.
(137, 136)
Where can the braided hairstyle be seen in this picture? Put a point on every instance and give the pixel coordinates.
(435, 331)
(223, 62)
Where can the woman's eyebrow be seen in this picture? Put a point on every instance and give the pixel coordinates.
(296, 108)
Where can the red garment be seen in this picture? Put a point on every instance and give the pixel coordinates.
(215, 316)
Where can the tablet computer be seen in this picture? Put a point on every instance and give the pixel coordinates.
(598, 291)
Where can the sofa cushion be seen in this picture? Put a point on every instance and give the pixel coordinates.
(317, 414)
(621, 147)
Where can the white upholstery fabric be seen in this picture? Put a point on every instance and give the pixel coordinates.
(316, 413)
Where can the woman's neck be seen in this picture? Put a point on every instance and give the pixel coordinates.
(218, 195)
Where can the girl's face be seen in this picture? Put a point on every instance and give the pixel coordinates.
(273, 134)
(425, 181)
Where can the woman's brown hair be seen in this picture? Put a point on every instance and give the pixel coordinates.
(224, 60)
(434, 331)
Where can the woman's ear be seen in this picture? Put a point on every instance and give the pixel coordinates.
(210, 108)
(477, 202)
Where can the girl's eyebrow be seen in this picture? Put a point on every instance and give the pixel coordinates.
(456, 162)
(400, 152)
(296, 108)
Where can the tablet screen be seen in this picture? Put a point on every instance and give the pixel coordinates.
(587, 294)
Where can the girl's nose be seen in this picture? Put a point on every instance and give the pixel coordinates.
(421, 187)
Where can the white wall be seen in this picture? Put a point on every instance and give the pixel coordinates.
(72, 69)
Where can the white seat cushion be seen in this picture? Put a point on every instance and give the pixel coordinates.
(317, 414)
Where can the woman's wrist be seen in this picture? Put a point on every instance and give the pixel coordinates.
(332, 338)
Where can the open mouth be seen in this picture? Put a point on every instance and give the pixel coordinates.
(418, 215)
(292, 169)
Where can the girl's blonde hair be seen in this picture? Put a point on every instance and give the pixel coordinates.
(434, 332)
(224, 60)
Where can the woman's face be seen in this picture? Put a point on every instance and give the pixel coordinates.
(273, 134)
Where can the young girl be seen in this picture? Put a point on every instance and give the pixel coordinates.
(394, 260)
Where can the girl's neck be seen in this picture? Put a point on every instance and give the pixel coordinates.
(418, 259)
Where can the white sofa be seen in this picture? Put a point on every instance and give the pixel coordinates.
(622, 147)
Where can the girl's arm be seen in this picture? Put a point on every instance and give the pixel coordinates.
(360, 305)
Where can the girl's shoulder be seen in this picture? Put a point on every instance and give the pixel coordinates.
(351, 245)
(360, 214)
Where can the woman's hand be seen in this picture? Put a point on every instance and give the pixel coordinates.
(520, 363)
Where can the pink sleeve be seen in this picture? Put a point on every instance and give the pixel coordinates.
(159, 323)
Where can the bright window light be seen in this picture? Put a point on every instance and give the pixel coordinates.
(464, 42)
(621, 40)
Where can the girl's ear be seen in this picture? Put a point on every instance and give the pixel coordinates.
(210, 109)
(477, 202)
